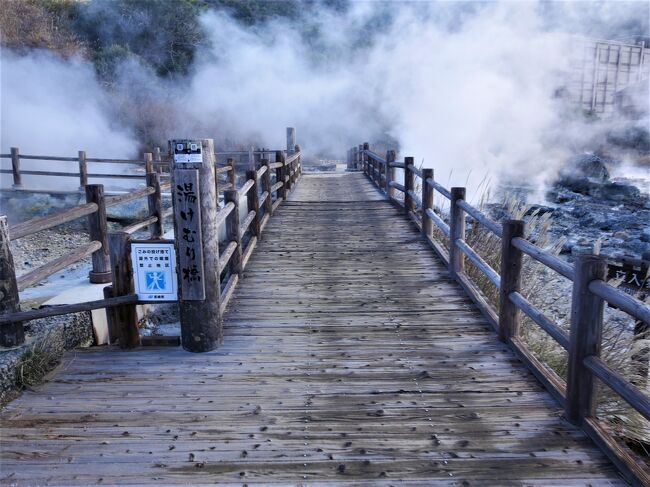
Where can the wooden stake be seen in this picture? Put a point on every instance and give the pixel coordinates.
(456, 231)
(390, 174)
(125, 318)
(585, 337)
(427, 203)
(197, 249)
(253, 200)
(511, 265)
(291, 140)
(98, 229)
(83, 170)
(232, 175)
(154, 202)
(266, 186)
(232, 231)
(148, 162)
(11, 334)
(110, 316)
(408, 185)
(15, 168)
(279, 175)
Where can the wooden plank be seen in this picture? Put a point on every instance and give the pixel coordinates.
(343, 372)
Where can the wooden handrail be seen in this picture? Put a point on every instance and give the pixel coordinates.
(48, 221)
(480, 217)
(64, 309)
(246, 187)
(287, 171)
(133, 195)
(590, 292)
(134, 227)
(43, 272)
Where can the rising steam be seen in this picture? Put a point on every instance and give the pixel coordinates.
(469, 89)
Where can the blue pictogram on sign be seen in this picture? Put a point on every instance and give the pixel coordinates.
(155, 281)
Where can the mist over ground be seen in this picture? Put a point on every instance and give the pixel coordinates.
(468, 88)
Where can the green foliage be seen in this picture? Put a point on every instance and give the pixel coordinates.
(161, 33)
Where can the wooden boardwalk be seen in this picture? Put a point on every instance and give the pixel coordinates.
(350, 356)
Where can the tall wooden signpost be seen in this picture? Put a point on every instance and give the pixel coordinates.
(197, 243)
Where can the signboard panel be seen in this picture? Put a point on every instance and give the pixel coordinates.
(187, 214)
(154, 271)
(187, 151)
(634, 277)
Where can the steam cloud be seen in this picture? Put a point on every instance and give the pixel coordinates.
(466, 88)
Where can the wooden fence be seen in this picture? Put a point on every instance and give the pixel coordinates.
(150, 162)
(265, 187)
(590, 292)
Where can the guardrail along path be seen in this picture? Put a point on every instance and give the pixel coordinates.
(349, 354)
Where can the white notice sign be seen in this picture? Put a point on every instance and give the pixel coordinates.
(187, 151)
(154, 271)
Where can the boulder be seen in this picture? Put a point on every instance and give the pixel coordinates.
(621, 193)
(583, 173)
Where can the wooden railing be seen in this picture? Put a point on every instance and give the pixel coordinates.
(577, 394)
(265, 188)
(150, 162)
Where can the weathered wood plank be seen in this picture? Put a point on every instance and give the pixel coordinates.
(342, 372)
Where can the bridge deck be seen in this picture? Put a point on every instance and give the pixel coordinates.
(349, 355)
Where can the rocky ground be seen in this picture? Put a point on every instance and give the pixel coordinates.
(589, 206)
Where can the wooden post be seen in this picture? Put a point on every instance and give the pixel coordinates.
(232, 231)
(11, 334)
(511, 265)
(456, 231)
(366, 161)
(83, 170)
(266, 186)
(585, 337)
(110, 316)
(253, 200)
(98, 229)
(298, 163)
(279, 175)
(15, 167)
(157, 158)
(427, 203)
(291, 140)
(197, 249)
(288, 176)
(148, 162)
(232, 175)
(408, 185)
(390, 173)
(355, 158)
(125, 317)
(154, 202)
(251, 157)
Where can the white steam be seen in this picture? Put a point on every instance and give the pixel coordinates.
(467, 88)
(56, 107)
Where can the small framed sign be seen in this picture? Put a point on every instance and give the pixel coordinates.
(187, 151)
(154, 270)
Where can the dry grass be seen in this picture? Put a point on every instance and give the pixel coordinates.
(35, 363)
(621, 350)
(32, 24)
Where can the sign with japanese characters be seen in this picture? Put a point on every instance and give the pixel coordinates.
(154, 271)
(633, 278)
(187, 212)
(187, 151)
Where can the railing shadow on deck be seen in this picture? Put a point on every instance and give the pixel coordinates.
(576, 394)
